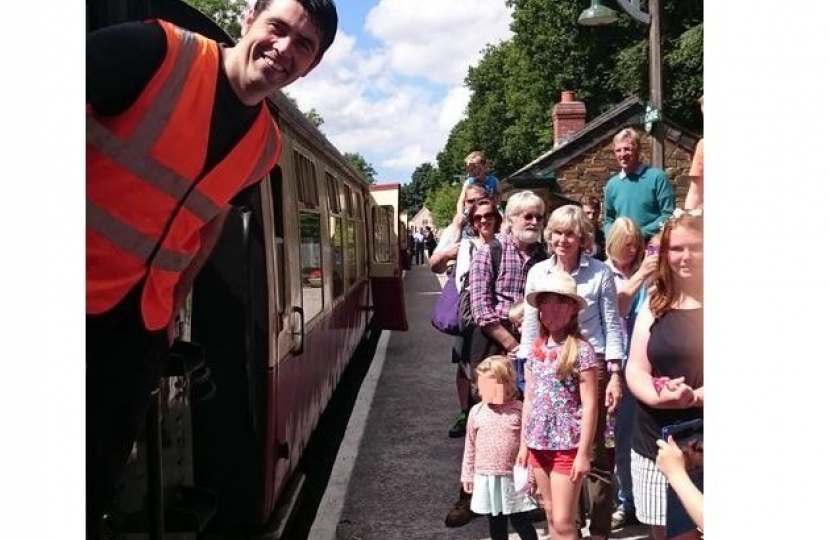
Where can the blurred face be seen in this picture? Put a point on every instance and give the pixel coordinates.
(526, 225)
(685, 253)
(628, 252)
(556, 311)
(277, 47)
(627, 155)
(484, 220)
(476, 170)
(589, 213)
(564, 242)
(490, 389)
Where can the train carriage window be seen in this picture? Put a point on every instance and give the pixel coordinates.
(383, 232)
(361, 234)
(311, 236)
(306, 181)
(311, 259)
(333, 194)
(336, 256)
(351, 252)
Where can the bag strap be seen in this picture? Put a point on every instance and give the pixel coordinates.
(495, 256)
(495, 261)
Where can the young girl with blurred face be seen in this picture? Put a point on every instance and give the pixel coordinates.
(493, 439)
(560, 409)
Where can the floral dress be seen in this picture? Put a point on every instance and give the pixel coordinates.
(555, 420)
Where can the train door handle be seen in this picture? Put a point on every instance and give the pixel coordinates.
(299, 349)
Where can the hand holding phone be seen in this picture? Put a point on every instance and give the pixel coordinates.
(652, 250)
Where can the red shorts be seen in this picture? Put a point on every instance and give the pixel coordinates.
(558, 461)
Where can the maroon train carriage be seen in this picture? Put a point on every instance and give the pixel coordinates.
(307, 263)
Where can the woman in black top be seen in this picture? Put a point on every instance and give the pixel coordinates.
(665, 364)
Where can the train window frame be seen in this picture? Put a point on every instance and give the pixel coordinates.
(311, 280)
(362, 237)
(305, 171)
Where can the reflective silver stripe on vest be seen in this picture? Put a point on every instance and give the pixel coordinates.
(149, 170)
(161, 108)
(261, 168)
(132, 241)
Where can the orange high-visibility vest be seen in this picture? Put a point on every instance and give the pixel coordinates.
(145, 209)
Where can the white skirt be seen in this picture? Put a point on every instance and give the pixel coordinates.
(495, 495)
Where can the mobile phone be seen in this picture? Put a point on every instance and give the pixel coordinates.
(684, 433)
(652, 250)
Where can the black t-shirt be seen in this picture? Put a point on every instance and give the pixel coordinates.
(675, 349)
(120, 61)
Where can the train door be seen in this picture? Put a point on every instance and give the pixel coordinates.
(385, 271)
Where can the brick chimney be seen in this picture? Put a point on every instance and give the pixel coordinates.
(568, 118)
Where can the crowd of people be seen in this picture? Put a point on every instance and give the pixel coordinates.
(587, 350)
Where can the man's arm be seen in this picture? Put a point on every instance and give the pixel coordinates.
(447, 248)
(665, 201)
(694, 197)
(609, 212)
(120, 61)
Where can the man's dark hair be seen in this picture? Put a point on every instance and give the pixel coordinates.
(323, 15)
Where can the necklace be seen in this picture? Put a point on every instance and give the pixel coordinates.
(542, 352)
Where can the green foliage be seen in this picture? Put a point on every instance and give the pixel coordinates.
(227, 13)
(516, 83)
(442, 202)
(363, 167)
(314, 117)
(414, 194)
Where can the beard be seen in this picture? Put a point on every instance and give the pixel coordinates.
(528, 236)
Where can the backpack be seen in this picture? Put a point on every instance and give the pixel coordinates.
(465, 312)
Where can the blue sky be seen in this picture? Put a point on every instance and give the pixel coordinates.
(391, 86)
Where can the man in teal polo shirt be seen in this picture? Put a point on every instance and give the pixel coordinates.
(640, 192)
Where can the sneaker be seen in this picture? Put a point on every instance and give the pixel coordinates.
(459, 429)
(460, 514)
(620, 519)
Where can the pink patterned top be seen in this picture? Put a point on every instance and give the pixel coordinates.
(555, 419)
(492, 444)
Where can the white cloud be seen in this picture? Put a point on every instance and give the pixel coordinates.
(396, 103)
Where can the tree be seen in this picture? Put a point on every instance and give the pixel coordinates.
(227, 13)
(515, 84)
(441, 203)
(363, 167)
(314, 117)
(414, 194)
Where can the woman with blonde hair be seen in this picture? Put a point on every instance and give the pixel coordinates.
(627, 259)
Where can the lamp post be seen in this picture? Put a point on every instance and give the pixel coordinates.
(597, 15)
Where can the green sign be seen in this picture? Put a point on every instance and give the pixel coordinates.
(652, 115)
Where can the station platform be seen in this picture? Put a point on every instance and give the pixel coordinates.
(397, 472)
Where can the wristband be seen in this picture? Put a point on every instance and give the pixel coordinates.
(612, 367)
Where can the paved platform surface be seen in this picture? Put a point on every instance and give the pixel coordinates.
(397, 472)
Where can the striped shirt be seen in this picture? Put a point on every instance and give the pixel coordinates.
(491, 304)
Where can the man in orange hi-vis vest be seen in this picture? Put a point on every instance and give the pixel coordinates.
(176, 126)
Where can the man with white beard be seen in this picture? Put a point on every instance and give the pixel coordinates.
(493, 294)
